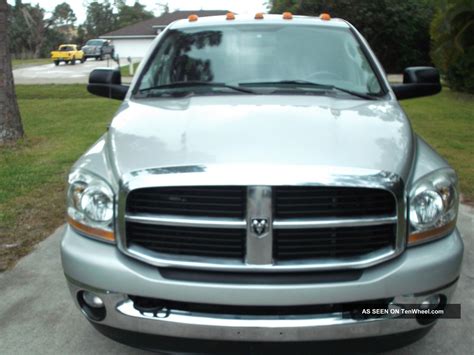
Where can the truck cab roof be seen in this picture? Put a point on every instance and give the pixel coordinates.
(250, 19)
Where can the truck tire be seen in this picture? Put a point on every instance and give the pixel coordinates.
(56, 62)
(83, 59)
(73, 61)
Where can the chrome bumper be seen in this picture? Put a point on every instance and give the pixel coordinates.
(102, 269)
(121, 314)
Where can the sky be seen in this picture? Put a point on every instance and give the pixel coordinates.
(237, 6)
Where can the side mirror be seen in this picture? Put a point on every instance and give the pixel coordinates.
(107, 82)
(418, 82)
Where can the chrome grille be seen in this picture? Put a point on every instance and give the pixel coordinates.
(210, 227)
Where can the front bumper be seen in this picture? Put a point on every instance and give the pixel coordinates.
(408, 279)
(91, 53)
(121, 314)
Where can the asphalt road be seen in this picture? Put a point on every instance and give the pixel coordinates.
(37, 314)
(62, 74)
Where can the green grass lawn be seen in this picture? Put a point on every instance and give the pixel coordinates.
(125, 69)
(18, 63)
(446, 122)
(62, 121)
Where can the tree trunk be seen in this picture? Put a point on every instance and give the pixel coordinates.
(11, 128)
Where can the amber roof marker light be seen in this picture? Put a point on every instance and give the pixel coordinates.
(230, 16)
(325, 16)
(193, 18)
(287, 15)
(259, 16)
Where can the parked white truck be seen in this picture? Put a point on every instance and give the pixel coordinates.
(259, 185)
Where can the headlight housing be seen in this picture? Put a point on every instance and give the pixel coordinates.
(433, 207)
(90, 205)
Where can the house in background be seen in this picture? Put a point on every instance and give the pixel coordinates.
(133, 41)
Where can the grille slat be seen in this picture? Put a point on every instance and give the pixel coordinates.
(310, 196)
(200, 246)
(331, 242)
(213, 242)
(295, 248)
(229, 196)
(145, 236)
(328, 240)
(194, 252)
(177, 239)
(347, 212)
(347, 233)
(343, 212)
(375, 205)
(203, 201)
(173, 204)
(183, 211)
(318, 201)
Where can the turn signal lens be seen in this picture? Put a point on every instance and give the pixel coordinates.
(230, 16)
(421, 237)
(193, 18)
(259, 16)
(287, 16)
(91, 231)
(325, 16)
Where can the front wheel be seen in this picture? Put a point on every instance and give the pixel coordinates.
(83, 59)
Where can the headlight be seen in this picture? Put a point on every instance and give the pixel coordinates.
(90, 205)
(434, 201)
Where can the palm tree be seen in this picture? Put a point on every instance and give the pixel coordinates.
(11, 128)
(452, 31)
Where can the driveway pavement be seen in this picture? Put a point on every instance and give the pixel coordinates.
(37, 314)
(62, 74)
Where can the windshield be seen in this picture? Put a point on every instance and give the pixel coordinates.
(66, 48)
(261, 56)
(94, 42)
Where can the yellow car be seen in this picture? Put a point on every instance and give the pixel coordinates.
(67, 53)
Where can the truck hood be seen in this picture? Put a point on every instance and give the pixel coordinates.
(261, 130)
(90, 48)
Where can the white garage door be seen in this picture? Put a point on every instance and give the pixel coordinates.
(134, 48)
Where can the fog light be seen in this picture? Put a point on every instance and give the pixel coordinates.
(91, 305)
(92, 300)
(431, 302)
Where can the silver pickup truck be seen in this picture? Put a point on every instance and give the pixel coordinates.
(98, 49)
(258, 189)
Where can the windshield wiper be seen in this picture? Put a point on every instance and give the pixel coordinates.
(192, 84)
(310, 84)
